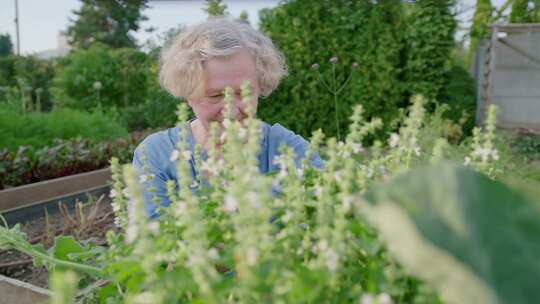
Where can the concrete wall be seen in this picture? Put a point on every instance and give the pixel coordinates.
(516, 81)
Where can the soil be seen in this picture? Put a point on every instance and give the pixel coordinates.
(98, 219)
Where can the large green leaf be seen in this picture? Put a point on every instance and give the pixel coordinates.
(476, 240)
(64, 246)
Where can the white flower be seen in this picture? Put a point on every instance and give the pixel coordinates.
(322, 245)
(318, 190)
(242, 133)
(367, 299)
(210, 167)
(146, 178)
(357, 148)
(180, 208)
(112, 194)
(126, 193)
(417, 151)
(287, 216)
(131, 232)
(467, 161)
(344, 154)
(370, 172)
(194, 184)
(483, 153)
(281, 235)
(384, 298)
(213, 253)
(276, 184)
(394, 140)
(116, 207)
(117, 221)
(174, 155)
(347, 202)
(494, 154)
(280, 160)
(253, 199)
(251, 256)
(97, 85)
(186, 155)
(331, 259)
(153, 227)
(304, 226)
(338, 176)
(230, 204)
(282, 173)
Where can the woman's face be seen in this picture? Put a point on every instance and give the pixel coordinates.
(219, 73)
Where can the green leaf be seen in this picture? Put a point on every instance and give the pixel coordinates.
(65, 245)
(476, 240)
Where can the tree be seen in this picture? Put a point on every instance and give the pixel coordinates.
(6, 47)
(215, 8)
(429, 44)
(525, 11)
(244, 17)
(483, 16)
(107, 21)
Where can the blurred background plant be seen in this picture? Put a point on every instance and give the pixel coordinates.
(29, 164)
(392, 49)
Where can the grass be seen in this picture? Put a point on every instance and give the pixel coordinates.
(39, 129)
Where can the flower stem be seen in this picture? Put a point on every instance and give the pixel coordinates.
(335, 93)
(71, 265)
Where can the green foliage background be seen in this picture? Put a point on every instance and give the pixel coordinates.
(30, 76)
(400, 49)
(6, 46)
(120, 73)
(108, 22)
(39, 129)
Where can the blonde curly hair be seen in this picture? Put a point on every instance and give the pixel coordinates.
(181, 64)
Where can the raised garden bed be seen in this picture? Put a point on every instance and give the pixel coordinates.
(17, 292)
(51, 208)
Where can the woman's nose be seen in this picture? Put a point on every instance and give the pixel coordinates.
(237, 105)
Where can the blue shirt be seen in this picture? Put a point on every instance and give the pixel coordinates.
(159, 146)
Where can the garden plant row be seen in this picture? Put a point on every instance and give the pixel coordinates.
(405, 221)
(65, 157)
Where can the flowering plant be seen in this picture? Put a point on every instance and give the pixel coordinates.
(302, 234)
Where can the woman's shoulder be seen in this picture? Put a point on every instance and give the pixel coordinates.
(158, 146)
(278, 134)
(161, 139)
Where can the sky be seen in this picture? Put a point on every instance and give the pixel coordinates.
(41, 20)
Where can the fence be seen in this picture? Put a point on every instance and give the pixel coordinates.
(507, 74)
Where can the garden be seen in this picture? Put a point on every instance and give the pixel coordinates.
(415, 203)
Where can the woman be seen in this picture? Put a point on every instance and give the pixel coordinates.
(198, 66)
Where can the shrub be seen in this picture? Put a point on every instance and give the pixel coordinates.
(157, 111)
(460, 95)
(7, 71)
(39, 129)
(101, 76)
(399, 48)
(428, 42)
(34, 76)
(31, 76)
(352, 31)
